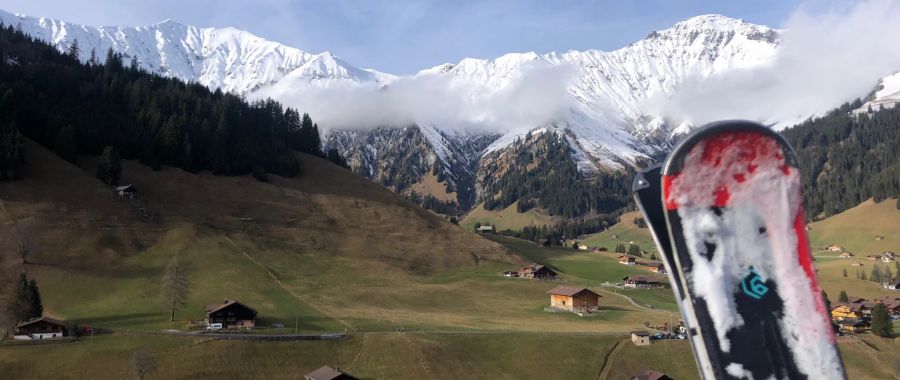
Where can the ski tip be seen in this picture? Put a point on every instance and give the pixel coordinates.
(641, 180)
(675, 162)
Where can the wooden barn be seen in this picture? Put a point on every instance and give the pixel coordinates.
(537, 271)
(231, 313)
(41, 328)
(650, 375)
(126, 191)
(327, 373)
(627, 260)
(640, 338)
(573, 299)
(643, 282)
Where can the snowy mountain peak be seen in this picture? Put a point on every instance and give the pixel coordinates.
(227, 58)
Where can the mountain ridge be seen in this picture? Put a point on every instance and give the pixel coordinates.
(600, 98)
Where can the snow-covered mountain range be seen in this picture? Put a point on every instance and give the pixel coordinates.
(601, 108)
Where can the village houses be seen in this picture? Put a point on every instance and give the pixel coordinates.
(537, 271)
(627, 260)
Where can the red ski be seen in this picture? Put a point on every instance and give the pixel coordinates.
(731, 192)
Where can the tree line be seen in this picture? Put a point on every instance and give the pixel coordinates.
(544, 175)
(846, 159)
(556, 233)
(83, 108)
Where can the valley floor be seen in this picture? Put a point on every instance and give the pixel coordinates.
(418, 297)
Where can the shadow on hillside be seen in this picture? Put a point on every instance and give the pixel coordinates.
(121, 318)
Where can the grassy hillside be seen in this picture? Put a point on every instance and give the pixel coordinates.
(328, 250)
(624, 232)
(506, 219)
(856, 228)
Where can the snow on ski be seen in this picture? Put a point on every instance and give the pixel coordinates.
(731, 193)
(646, 189)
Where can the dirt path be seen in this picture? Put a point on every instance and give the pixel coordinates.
(281, 284)
(419, 356)
(608, 360)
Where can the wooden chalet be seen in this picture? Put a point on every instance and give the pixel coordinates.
(834, 248)
(857, 310)
(850, 325)
(231, 314)
(485, 229)
(537, 271)
(657, 268)
(327, 373)
(126, 191)
(41, 328)
(846, 255)
(627, 260)
(650, 375)
(856, 264)
(891, 304)
(640, 338)
(574, 299)
(643, 282)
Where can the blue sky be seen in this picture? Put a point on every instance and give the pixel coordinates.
(402, 37)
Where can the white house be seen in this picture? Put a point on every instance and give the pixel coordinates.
(41, 328)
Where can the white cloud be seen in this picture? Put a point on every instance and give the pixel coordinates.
(535, 97)
(825, 59)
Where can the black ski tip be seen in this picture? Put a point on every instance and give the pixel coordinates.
(675, 162)
(641, 180)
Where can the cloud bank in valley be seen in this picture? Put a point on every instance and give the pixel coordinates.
(825, 59)
(535, 96)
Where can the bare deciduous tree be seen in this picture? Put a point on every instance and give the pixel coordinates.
(175, 285)
(142, 364)
(22, 250)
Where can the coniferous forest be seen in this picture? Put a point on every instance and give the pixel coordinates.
(81, 108)
(555, 184)
(846, 159)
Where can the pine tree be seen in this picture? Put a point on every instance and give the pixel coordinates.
(826, 301)
(887, 276)
(73, 49)
(12, 151)
(175, 285)
(109, 170)
(876, 274)
(842, 297)
(26, 300)
(335, 157)
(634, 250)
(845, 272)
(316, 142)
(92, 60)
(862, 276)
(881, 322)
(35, 304)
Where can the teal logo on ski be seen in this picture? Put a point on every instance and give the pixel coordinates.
(753, 285)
